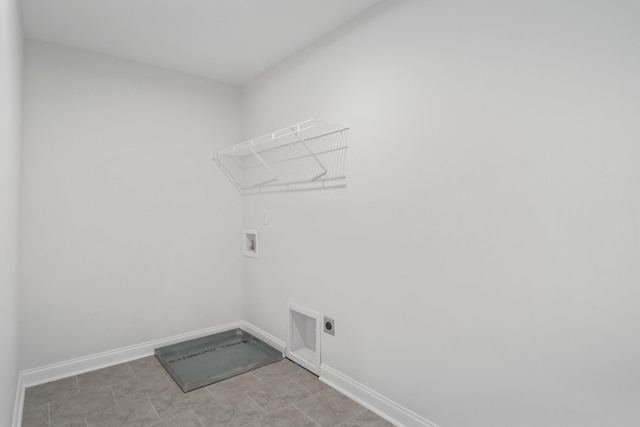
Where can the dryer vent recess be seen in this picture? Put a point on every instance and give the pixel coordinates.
(329, 326)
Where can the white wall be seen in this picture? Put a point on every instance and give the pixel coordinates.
(482, 265)
(10, 117)
(130, 231)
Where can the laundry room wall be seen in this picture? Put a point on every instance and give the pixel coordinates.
(130, 232)
(482, 263)
(10, 124)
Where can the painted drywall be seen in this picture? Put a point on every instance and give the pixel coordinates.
(482, 264)
(10, 123)
(130, 232)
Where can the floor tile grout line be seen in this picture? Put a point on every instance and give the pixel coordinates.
(286, 406)
(303, 387)
(251, 399)
(303, 413)
(363, 411)
(314, 394)
(197, 418)
(131, 369)
(339, 424)
(49, 413)
(307, 415)
(354, 417)
(215, 399)
(259, 406)
(154, 409)
(269, 381)
(169, 377)
(291, 404)
(114, 396)
(77, 384)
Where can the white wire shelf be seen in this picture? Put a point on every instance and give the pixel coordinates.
(306, 156)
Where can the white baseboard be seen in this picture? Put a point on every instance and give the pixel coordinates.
(56, 371)
(370, 399)
(264, 336)
(31, 377)
(375, 402)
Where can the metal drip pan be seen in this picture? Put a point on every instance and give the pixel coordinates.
(203, 361)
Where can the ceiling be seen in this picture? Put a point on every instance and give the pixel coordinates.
(227, 40)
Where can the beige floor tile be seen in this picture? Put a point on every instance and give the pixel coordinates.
(136, 414)
(142, 386)
(234, 411)
(187, 419)
(286, 417)
(80, 423)
(36, 416)
(77, 407)
(168, 404)
(54, 390)
(146, 365)
(307, 380)
(277, 394)
(276, 370)
(227, 388)
(369, 419)
(102, 379)
(329, 408)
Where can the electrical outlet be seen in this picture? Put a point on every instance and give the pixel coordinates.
(329, 326)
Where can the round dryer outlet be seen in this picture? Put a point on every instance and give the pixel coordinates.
(329, 326)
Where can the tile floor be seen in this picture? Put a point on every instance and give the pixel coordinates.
(140, 393)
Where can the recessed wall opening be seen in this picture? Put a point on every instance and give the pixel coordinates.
(250, 246)
(303, 346)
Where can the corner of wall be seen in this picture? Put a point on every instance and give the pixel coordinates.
(10, 124)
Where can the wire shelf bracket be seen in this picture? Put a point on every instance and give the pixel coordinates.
(306, 156)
